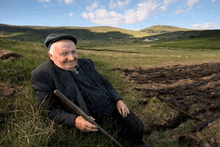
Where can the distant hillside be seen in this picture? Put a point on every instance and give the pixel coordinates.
(101, 29)
(160, 29)
(104, 29)
(33, 33)
(105, 35)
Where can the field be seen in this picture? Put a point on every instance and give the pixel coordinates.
(172, 84)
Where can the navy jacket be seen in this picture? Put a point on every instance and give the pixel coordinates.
(48, 77)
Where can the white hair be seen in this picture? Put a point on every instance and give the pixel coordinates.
(52, 47)
(51, 51)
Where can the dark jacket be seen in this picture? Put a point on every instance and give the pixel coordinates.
(48, 77)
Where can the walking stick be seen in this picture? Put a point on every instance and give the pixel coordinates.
(85, 116)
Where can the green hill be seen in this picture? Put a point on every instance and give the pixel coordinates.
(160, 29)
(103, 29)
(107, 36)
(32, 33)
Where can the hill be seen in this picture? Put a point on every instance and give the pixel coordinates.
(33, 33)
(104, 29)
(106, 36)
(160, 29)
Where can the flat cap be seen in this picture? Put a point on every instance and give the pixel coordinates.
(56, 37)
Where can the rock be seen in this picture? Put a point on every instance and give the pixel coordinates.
(8, 55)
(143, 101)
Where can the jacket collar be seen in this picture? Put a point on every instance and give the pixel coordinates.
(64, 76)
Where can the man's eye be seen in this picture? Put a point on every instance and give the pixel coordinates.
(63, 54)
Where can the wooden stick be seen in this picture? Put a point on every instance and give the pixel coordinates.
(85, 116)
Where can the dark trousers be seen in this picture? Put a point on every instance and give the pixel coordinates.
(130, 129)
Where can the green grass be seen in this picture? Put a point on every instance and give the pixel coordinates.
(195, 43)
(34, 54)
(25, 126)
(145, 56)
(163, 29)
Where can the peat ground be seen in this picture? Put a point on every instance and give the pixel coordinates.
(188, 92)
(193, 93)
(8, 95)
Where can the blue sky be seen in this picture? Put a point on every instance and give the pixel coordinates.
(127, 14)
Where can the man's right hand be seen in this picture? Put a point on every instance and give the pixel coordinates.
(84, 125)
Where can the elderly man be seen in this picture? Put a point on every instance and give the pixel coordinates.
(82, 84)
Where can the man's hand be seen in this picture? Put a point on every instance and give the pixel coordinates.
(122, 108)
(85, 126)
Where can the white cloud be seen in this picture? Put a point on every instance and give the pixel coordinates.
(44, 0)
(119, 4)
(112, 18)
(168, 2)
(145, 9)
(71, 14)
(102, 16)
(130, 16)
(165, 5)
(213, 1)
(180, 10)
(66, 1)
(206, 25)
(93, 6)
(192, 3)
(163, 8)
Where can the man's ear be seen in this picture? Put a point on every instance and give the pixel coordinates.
(50, 55)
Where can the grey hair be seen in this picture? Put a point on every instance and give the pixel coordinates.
(51, 51)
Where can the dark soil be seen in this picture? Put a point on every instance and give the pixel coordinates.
(8, 96)
(192, 90)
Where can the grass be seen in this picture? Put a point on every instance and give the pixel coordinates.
(162, 29)
(112, 29)
(145, 56)
(34, 54)
(195, 43)
(25, 126)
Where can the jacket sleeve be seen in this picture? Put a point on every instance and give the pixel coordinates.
(49, 102)
(108, 86)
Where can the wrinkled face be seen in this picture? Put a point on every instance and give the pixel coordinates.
(64, 54)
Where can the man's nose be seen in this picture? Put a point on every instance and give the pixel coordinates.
(71, 57)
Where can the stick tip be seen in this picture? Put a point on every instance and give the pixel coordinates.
(55, 91)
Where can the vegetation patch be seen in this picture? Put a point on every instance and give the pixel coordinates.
(190, 93)
(196, 43)
(151, 76)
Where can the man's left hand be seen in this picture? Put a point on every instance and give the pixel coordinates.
(122, 108)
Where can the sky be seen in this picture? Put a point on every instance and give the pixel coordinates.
(125, 14)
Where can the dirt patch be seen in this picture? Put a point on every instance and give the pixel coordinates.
(193, 90)
(8, 55)
(8, 96)
(7, 90)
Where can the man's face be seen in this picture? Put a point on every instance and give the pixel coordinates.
(65, 55)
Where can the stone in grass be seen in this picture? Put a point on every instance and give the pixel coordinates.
(8, 55)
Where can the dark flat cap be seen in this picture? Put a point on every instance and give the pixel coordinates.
(56, 37)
